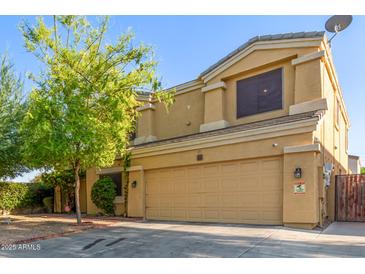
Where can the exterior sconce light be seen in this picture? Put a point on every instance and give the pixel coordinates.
(298, 173)
(134, 184)
(274, 145)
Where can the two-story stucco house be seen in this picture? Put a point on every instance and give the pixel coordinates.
(245, 142)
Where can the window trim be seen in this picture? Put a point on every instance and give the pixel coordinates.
(282, 68)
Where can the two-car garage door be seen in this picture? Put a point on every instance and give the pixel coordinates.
(248, 191)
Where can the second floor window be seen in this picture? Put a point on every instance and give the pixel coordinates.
(260, 93)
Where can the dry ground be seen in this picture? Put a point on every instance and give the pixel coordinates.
(27, 228)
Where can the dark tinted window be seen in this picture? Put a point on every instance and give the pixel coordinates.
(260, 93)
(117, 179)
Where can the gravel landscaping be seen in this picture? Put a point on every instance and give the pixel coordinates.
(28, 228)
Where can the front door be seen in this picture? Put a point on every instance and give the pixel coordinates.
(350, 198)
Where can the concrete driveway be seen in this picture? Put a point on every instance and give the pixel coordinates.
(173, 239)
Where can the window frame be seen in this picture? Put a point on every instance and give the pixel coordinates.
(264, 111)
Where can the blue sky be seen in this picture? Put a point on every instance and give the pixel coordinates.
(186, 45)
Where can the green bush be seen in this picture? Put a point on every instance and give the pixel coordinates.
(12, 195)
(48, 203)
(37, 192)
(20, 195)
(103, 193)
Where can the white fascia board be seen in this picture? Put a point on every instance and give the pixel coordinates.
(303, 148)
(318, 104)
(214, 86)
(308, 57)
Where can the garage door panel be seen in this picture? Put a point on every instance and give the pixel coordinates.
(152, 201)
(152, 213)
(271, 182)
(194, 172)
(166, 202)
(211, 200)
(180, 186)
(230, 169)
(230, 215)
(166, 187)
(210, 185)
(249, 216)
(194, 186)
(230, 200)
(152, 187)
(249, 167)
(272, 199)
(212, 214)
(250, 200)
(246, 191)
(180, 201)
(271, 165)
(195, 200)
(271, 217)
(180, 213)
(195, 214)
(249, 183)
(230, 183)
(178, 173)
(210, 171)
(166, 213)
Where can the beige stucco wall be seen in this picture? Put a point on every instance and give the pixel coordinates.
(188, 107)
(301, 210)
(302, 82)
(288, 95)
(334, 140)
(193, 108)
(246, 150)
(91, 177)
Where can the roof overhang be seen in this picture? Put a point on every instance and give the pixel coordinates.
(291, 128)
(259, 45)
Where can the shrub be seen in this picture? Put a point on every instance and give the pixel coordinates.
(12, 195)
(48, 203)
(36, 193)
(20, 195)
(103, 193)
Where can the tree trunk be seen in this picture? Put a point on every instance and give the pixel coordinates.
(77, 192)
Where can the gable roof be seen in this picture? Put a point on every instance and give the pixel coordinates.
(281, 36)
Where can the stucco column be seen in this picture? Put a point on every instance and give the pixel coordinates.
(308, 77)
(145, 124)
(300, 194)
(136, 192)
(214, 107)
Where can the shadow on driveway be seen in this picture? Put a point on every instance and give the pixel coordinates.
(176, 240)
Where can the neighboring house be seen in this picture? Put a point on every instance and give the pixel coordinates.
(245, 142)
(354, 164)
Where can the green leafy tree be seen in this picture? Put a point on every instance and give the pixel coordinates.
(11, 115)
(362, 170)
(84, 105)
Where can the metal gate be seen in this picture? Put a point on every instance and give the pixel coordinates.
(350, 198)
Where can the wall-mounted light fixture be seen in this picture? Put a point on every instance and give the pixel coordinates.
(274, 145)
(134, 184)
(298, 173)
